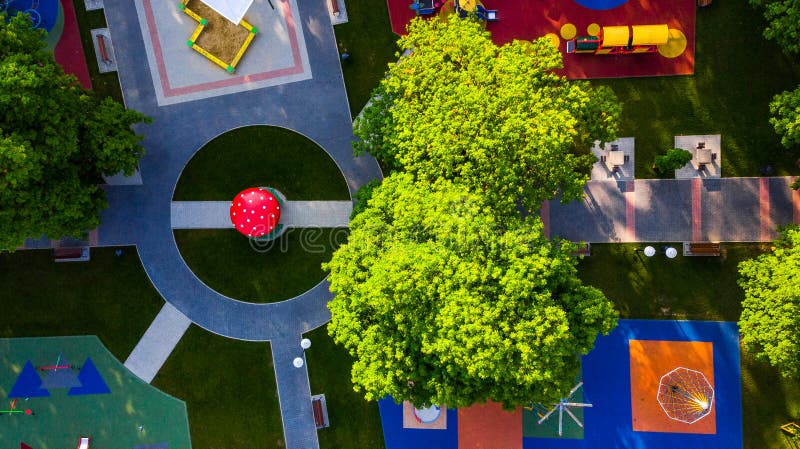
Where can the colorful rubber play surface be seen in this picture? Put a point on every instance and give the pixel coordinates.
(69, 51)
(622, 377)
(55, 390)
(561, 20)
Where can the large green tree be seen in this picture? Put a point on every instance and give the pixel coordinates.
(783, 23)
(439, 303)
(56, 142)
(785, 110)
(497, 119)
(770, 322)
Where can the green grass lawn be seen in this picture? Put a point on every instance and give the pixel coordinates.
(697, 288)
(229, 389)
(355, 423)
(737, 72)
(369, 40)
(226, 261)
(103, 84)
(263, 156)
(109, 296)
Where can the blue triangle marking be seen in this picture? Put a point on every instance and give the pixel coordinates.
(28, 384)
(91, 381)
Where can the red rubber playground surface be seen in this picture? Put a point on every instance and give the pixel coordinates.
(69, 51)
(527, 20)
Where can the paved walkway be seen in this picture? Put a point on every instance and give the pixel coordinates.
(294, 214)
(671, 210)
(316, 107)
(157, 343)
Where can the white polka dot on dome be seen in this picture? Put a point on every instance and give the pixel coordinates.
(239, 204)
(249, 201)
(270, 198)
(234, 214)
(252, 211)
(262, 217)
(241, 225)
(262, 197)
(271, 215)
(248, 220)
(244, 210)
(277, 207)
(263, 207)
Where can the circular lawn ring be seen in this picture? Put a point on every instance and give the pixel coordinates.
(593, 29)
(427, 415)
(265, 156)
(253, 270)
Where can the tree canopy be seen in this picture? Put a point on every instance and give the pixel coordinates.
(495, 119)
(440, 303)
(673, 159)
(783, 27)
(56, 142)
(785, 110)
(770, 322)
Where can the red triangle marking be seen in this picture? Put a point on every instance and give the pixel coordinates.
(24, 446)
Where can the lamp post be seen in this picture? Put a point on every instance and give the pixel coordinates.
(669, 251)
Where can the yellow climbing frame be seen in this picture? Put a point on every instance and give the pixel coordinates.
(230, 67)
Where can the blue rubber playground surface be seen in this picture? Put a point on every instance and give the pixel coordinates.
(607, 386)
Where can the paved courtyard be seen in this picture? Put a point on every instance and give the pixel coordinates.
(276, 56)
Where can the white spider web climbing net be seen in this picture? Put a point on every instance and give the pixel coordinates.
(685, 395)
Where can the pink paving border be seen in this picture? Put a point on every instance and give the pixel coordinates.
(796, 202)
(697, 210)
(162, 69)
(630, 211)
(767, 227)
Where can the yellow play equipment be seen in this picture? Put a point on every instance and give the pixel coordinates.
(621, 40)
(230, 65)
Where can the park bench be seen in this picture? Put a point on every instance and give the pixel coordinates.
(703, 249)
(71, 254)
(101, 44)
(320, 409)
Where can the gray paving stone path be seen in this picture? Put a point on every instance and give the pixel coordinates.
(675, 210)
(294, 214)
(157, 343)
(142, 214)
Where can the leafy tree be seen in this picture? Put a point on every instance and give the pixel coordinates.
(496, 119)
(783, 17)
(785, 110)
(440, 304)
(363, 195)
(56, 141)
(672, 160)
(770, 322)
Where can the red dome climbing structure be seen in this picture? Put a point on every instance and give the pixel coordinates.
(255, 212)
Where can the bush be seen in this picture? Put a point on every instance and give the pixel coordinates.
(672, 160)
